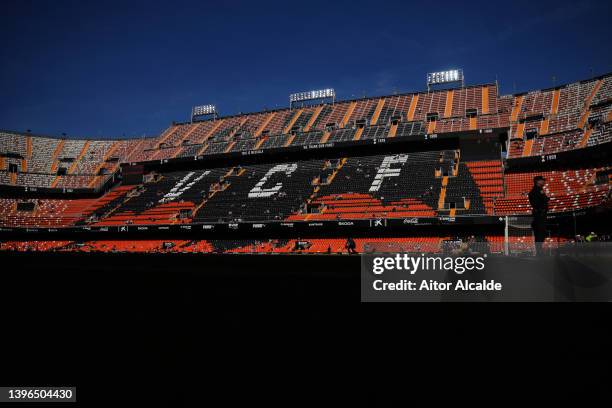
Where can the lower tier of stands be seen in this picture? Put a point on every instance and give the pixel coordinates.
(423, 184)
(428, 244)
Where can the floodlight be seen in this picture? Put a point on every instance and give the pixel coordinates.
(443, 77)
(312, 95)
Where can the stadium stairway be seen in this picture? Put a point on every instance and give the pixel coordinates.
(393, 129)
(412, 108)
(448, 106)
(442, 196)
(587, 104)
(264, 124)
(325, 137)
(489, 179)
(163, 139)
(56, 152)
(585, 137)
(527, 147)
(516, 109)
(313, 118)
(185, 137)
(358, 133)
(485, 99)
(555, 102)
(108, 155)
(348, 114)
(377, 110)
(292, 121)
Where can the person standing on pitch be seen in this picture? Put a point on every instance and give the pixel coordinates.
(539, 208)
(350, 246)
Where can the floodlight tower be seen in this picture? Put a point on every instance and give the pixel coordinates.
(321, 95)
(204, 112)
(445, 77)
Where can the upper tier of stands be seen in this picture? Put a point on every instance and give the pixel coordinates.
(35, 161)
(541, 122)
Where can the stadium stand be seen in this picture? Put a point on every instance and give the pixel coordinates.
(465, 178)
(541, 122)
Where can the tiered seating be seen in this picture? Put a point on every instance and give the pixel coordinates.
(307, 138)
(13, 143)
(407, 187)
(488, 177)
(419, 184)
(518, 243)
(43, 152)
(47, 213)
(170, 200)
(395, 106)
(376, 132)
(559, 117)
(73, 181)
(556, 142)
(95, 154)
(337, 245)
(354, 206)
(364, 110)
(151, 246)
(33, 246)
(171, 144)
(568, 117)
(605, 91)
(273, 142)
(35, 179)
(304, 118)
(343, 135)
(71, 150)
(144, 149)
(262, 192)
(335, 115)
(425, 244)
(322, 119)
(602, 134)
(462, 193)
(569, 190)
(42, 156)
(536, 103)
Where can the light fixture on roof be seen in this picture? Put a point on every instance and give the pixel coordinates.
(203, 110)
(444, 77)
(320, 94)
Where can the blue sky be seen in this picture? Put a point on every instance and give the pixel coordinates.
(130, 68)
